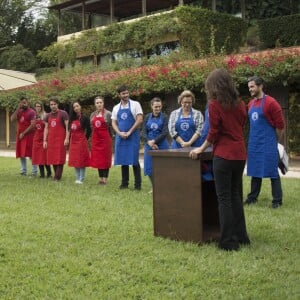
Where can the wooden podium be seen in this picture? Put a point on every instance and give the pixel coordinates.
(184, 206)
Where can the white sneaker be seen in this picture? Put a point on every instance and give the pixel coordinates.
(78, 182)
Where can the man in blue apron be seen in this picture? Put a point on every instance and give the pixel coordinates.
(127, 116)
(266, 126)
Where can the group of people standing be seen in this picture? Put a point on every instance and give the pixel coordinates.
(49, 135)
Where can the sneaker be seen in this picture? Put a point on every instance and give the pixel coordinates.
(78, 182)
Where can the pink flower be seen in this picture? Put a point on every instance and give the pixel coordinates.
(184, 74)
(232, 63)
(55, 82)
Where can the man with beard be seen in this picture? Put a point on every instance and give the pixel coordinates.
(56, 137)
(127, 116)
(266, 127)
(25, 117)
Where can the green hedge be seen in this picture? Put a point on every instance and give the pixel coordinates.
(281, 31)
(203, 31)
(199, 31)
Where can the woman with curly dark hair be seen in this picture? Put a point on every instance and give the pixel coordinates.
(227, 118)
(80, 130)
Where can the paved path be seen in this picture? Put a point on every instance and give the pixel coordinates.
(294, 165)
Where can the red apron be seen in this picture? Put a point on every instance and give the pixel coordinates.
(24, 146)
(101, 154)
(56, 151)
(39, 154)
(79, 156)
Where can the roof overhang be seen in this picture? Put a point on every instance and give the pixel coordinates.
(122, 8)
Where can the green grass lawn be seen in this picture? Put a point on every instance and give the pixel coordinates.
(59, 240)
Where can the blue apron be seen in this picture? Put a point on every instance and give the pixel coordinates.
(262, 146)
(185, 127)
(126, 150)
(154, 128)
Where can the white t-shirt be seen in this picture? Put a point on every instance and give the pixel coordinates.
(135, 108)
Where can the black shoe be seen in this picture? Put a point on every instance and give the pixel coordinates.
(137, 188)
(244, 241)
(249, 202)
(276, 205)
(229, 247)
(122, 187)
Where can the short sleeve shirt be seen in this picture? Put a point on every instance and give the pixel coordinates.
(135, 108)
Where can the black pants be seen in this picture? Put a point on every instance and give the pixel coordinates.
(136, 173)
(103, 173)
(42, 170)
(58, 170)
(256, 186)
(228, 180)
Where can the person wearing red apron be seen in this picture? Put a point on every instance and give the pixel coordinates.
(39, 154)
(127, 116)
(154, 133)
(25, 116)
(56, 137)
(101, 153)
(265, 116)
(80, 130)
(185, 124)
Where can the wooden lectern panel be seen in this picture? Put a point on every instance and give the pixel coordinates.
(177, 197)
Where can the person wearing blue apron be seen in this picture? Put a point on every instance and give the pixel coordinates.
(185, 124)
(154, 133)
(127, 116)
(262, 161)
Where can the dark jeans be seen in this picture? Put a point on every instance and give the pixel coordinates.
(228, 176)
(136, 173)
(256, 186)
(103, 173)
(58, 170)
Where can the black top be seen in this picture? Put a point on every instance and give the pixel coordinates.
(164, 132)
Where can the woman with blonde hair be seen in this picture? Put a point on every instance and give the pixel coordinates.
(185, 123)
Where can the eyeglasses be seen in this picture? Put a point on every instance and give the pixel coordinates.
(38, 106)
(187, 103)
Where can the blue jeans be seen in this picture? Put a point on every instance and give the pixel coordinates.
(23, 161)
(80, 174)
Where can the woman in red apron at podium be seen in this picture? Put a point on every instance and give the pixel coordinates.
(39, 154)
(101, 153)
(185, 123)
(227, 118)
(154, 133)
(80, 130)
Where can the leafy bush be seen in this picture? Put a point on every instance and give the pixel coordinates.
(281, 31)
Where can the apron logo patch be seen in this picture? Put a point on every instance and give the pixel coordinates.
(73, 127)
(124, 116)
(98, 124)
(154, 126)
(53, 123)
(38, 126)
(254, 116)
(22, 119)
(184, 126)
